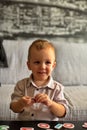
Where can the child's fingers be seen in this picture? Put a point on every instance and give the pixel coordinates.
(41, 97)
(26, 100)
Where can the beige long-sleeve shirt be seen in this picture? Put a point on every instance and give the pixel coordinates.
(38, 111)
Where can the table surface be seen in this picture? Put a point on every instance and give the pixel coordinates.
(16, 125)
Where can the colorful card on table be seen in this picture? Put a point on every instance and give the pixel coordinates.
(43, 125)
(68, 125)
(84, 125)
(4, 127)
(26, 128)
(58, 126)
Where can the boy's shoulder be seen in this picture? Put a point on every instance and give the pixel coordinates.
(58, 84)
(23, 81)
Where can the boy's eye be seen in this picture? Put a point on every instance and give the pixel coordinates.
(48, 62)
(36, 62)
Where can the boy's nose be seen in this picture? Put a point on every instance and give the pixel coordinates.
(43, 65)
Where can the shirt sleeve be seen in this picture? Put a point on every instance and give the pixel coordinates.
(59, 96)
(19, 91)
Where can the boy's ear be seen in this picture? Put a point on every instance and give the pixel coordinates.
(54, 65)
(28, 65)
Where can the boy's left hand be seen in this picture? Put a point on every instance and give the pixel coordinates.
(43, 98)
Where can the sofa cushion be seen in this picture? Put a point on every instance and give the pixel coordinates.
(5, 98)
(77, 98)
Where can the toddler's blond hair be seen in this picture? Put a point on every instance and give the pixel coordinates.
(40, 44)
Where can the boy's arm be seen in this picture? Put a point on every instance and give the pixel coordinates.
(57, 109)
(16, 106)
(19, 105)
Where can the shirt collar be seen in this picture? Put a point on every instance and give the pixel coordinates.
(49, 84)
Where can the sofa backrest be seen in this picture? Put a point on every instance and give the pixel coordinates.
(71, 66)
(71, 60)
(16, 52)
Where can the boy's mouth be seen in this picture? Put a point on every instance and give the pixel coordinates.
(42, 72)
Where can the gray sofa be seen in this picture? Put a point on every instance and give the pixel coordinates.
(71, 71)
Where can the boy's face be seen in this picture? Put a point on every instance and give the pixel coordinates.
(41, 63)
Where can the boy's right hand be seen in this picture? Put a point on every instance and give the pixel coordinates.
(18, 106)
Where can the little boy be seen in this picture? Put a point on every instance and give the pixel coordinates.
(39, 97)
